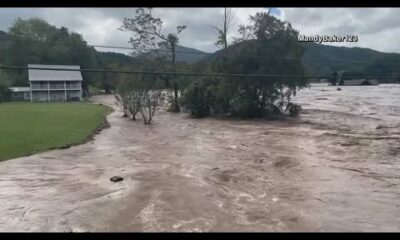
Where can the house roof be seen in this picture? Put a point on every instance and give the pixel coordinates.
(20, 89)
(355, 82)
(54, 75)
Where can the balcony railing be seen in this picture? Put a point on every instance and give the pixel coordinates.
(73, 86)
(39, 87)
(55, 86)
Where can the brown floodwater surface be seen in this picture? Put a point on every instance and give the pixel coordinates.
(334, 168)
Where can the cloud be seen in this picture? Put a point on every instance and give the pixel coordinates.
(377, 28)
(100, 25)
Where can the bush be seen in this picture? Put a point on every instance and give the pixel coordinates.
(294, 109)
(240, 98)
(197, 98)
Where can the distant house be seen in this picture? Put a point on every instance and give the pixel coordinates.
(55, 85)
(360, 82)
(20, 93)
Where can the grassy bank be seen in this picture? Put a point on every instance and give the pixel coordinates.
(26, 128)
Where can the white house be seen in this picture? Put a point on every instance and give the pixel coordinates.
(55, 85)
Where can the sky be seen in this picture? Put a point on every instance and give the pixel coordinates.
(376, 28)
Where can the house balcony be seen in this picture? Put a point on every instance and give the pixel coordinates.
(59, 86)
(73, 86)
(42, 87)
(39, 87)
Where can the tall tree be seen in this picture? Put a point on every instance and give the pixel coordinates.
(222, 41)
(148, 35)
(263, 27)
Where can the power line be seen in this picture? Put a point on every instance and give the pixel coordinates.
(185, 73)
(191, 52)
(158, 72)
(106, 46)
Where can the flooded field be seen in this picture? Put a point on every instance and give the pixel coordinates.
(335, 168)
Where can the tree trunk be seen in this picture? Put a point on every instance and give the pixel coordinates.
(225, 29)
(125, 113)
(144, 117)
(173, 54)
(150, 116)
(175, 105)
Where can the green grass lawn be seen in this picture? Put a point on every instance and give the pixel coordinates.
(26, 128)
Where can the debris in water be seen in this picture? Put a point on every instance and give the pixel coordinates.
(380, 126)
(339, 89)
(116, 179)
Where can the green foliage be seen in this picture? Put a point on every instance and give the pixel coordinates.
(198, 99)
(250, 97)
(294, 109)
(4, 85)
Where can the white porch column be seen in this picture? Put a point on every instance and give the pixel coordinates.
(30, 90)
(48, 91)
(65, 90)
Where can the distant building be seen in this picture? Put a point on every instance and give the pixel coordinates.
(360, 82)
(55, 85)
(20, 93)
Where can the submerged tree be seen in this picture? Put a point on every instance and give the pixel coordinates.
(149, 102)
(134, 103)
(274, 50)
(122, 97)
(148, 36)
(139, 93)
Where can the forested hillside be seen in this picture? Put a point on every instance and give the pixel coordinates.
(324, 60)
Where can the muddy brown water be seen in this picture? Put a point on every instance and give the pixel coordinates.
(335, 168)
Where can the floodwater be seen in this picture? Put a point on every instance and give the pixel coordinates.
(335, 168)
